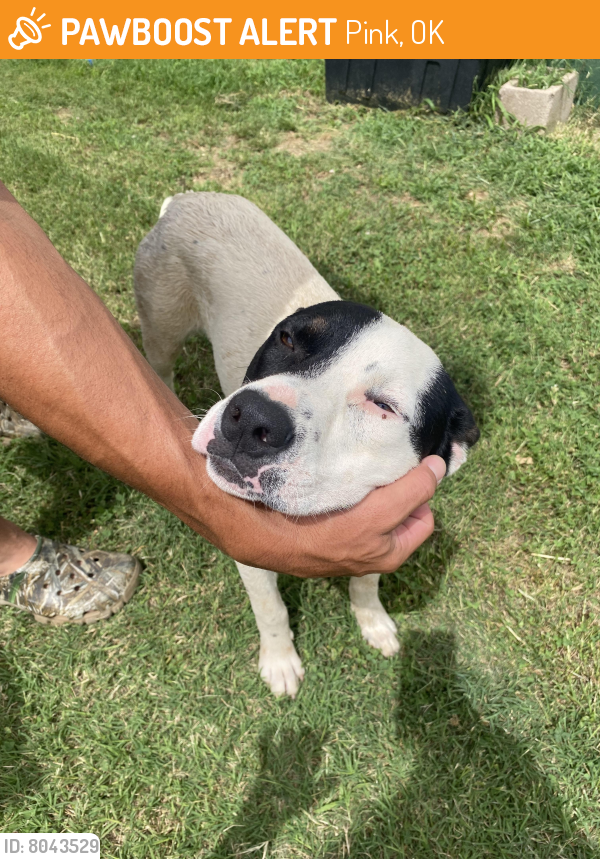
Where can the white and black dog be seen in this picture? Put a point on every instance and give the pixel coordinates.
(324, 399)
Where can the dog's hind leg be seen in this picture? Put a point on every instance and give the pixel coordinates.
(162, 348)
(377, 627)
(279, 664)
(168, 315)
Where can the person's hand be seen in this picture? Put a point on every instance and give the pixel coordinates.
(375, 536)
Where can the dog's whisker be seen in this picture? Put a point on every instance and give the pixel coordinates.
(184, 418)
(212, 391)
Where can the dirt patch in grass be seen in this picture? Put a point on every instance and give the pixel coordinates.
(309, 104)
(478, 195)
(297, 145)
(407, 200)
(221, 169)
(580, 128)
(499, 230)
(233, 99)
(505, 223)
(64, 114)
(567, 265)
(224, 172)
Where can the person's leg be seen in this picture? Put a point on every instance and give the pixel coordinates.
(56, 582)
(16, 547)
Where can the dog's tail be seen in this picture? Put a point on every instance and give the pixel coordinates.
(165, 206)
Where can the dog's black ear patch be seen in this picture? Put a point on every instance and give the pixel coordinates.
(442, 420)
(308, 340)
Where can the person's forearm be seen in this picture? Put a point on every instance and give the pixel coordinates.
(68, 366)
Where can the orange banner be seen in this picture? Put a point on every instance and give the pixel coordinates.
(297, 29)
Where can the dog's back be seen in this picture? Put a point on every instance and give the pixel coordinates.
(217, 263)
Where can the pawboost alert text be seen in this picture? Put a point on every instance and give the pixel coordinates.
(201, 31)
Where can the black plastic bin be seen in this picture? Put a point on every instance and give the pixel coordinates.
(401, 83)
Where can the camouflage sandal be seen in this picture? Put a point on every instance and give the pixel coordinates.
(61, 584)
(14, 425)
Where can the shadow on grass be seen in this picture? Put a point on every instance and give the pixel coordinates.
(418, 580)
(409, 589)
(284, 788)
(474, 790)
(196, 381)
(18, 776)
(80, 494)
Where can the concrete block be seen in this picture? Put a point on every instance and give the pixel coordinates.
(545, 107)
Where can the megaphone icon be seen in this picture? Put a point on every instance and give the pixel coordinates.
(27, 32)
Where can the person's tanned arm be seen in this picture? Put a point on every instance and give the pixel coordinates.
(66, 364)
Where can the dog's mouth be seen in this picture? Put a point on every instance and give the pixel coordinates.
(263, 484)
(226, 470)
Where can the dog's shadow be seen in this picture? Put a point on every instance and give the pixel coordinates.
(417, 582)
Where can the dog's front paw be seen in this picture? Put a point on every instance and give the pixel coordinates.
(378, 629)
(281, 670)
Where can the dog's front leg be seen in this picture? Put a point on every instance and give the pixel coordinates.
(377, 627)
(279, 664)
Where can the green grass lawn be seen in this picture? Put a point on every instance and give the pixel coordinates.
(482, 739)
